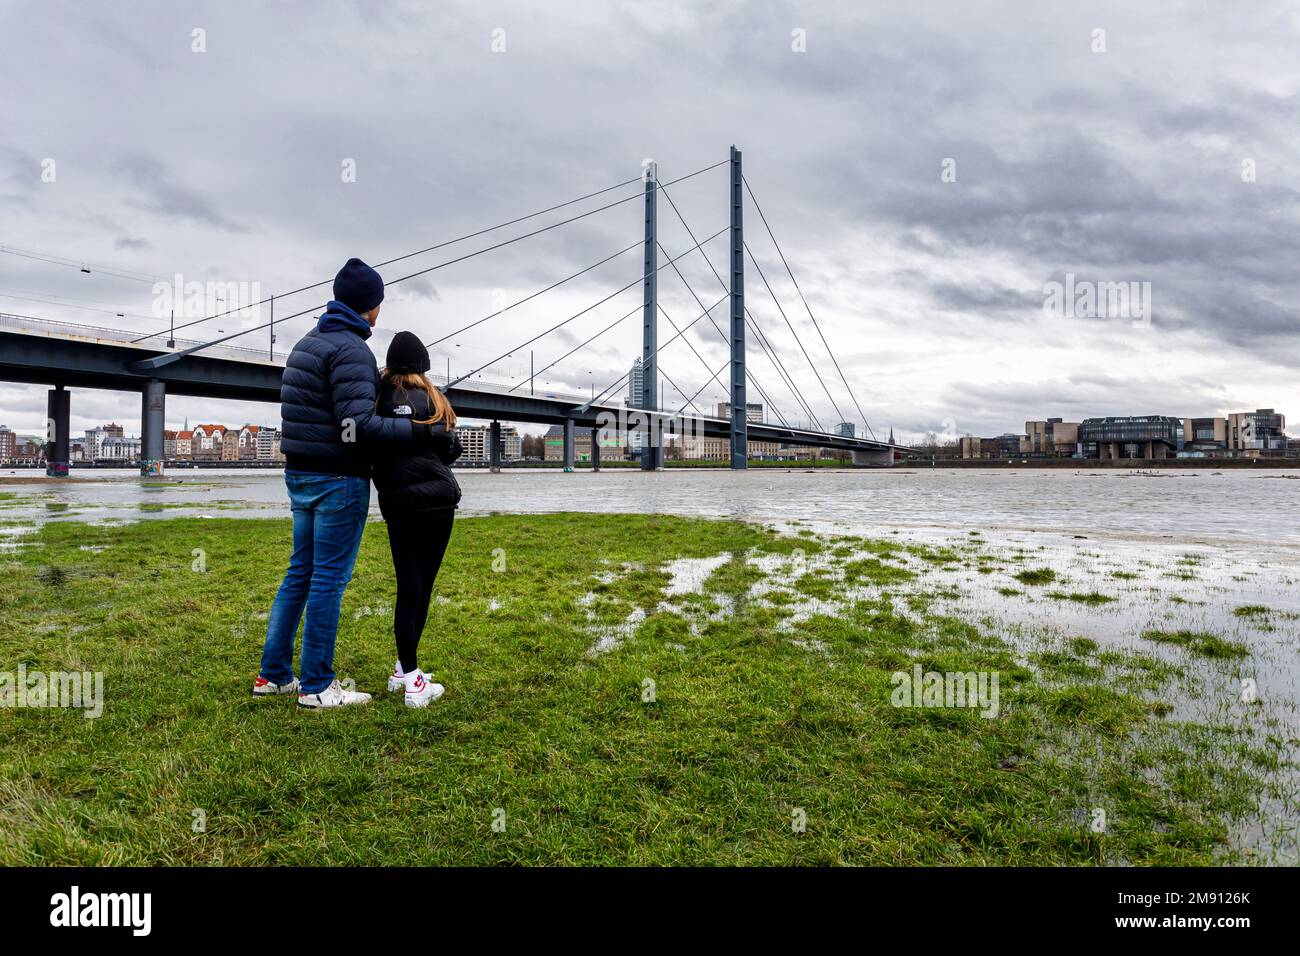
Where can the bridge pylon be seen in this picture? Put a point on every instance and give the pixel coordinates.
(739, 409)
(652, 453)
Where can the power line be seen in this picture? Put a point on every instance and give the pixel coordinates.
(754, 200)
(65, 305)
(81, 265)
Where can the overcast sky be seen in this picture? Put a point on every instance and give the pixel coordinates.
(927, 168)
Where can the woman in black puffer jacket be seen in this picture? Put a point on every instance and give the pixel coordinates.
(417, 497)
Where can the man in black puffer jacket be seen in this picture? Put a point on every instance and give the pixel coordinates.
(330, 434)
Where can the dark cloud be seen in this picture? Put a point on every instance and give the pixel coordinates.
(155, 190)
(1116, 166)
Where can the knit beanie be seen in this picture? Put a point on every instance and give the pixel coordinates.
(358, 286)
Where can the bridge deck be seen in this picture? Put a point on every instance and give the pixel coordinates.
(54, 353)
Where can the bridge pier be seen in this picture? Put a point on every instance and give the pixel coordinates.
(494, 451)
(595, 449)
(568, 444)
(57, 428)
(153, 414)
(874, 458)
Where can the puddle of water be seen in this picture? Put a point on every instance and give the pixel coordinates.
(687, 575)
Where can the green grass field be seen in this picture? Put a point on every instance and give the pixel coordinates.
(704, 734)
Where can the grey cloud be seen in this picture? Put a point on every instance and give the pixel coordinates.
(1117, 167)
(157, 191)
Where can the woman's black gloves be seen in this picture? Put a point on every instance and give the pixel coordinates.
(441, 442)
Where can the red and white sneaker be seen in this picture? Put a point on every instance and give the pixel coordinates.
(420, 692)
(264, 688)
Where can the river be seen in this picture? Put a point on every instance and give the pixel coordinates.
(1237, 507)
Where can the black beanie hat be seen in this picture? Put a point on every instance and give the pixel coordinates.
(407, 354)
(358, 286)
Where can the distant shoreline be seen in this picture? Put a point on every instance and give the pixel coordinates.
(21, 474)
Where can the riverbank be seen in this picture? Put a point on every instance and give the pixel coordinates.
(648, 689)
(1148, 465)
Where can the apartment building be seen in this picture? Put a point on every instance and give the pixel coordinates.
(95, 438)
(476, 441)
(611, 448)
(1007, 445)
(1256, 433)
(1052, 436)
(753, 412)
(207, 441)
(1204, 436)
(268, 444)
(699, 448)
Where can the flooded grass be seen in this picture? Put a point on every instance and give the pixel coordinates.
(645, 689)
(1091, 597)
(1036, 576)
(1207, 645)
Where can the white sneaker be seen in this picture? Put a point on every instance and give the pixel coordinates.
(332, 696)
(423, 691)
(395, 682)
(264, 688)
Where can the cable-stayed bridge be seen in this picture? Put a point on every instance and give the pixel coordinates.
(67, 355)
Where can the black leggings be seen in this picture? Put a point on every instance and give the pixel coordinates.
(417, 540)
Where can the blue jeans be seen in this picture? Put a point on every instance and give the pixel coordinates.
(329, 514)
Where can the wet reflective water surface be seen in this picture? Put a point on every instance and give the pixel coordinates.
(1257, 507)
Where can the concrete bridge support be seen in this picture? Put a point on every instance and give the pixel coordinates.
(153, 419)
(494, 451)
(874, 458)
(595, 449)
(568, 444)
(57, 432)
